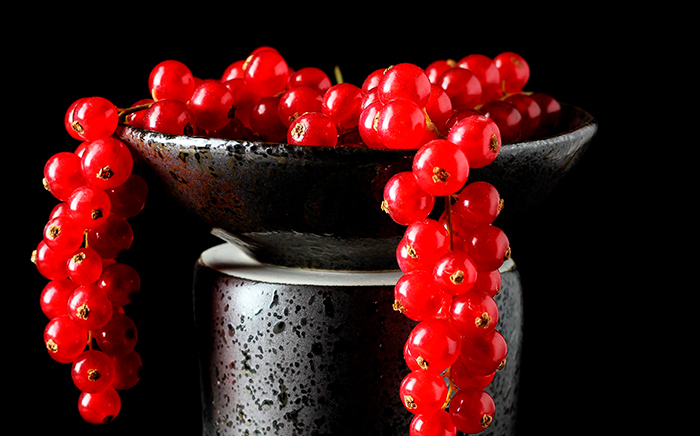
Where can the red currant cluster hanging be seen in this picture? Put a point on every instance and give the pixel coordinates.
(450, 265)
(85, 234)
(456, 115)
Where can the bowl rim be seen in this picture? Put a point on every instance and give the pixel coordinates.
(206, 142)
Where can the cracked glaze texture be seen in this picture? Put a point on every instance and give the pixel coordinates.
(283, 359)
(319, 207)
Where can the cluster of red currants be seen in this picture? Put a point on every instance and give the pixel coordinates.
(262, 98)
(451, 264)
(85, 233)
(456, 115)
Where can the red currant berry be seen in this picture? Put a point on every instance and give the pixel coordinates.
(455, 272)
(89, 307)
(92, 371)
(529, 110)
(423, 392)
(440, 167)
(484, 355)
(436, 68)
(489, 282)
(128, 369)
(120, 282)
(112, 238)
(369, 97)
(171, 80)
(405, 201)
(312, 77)
(417, 296)
(128, 199)
(435, 344)
(99, 407)
(367, 125)
(107, 163)
(404, 81)
(410, 359)
(89, 206)
(242, 97)
(118, 337)
(64, 339)
(212, 105)
(488, 246)
(94, 118)
(514, 71)
(472, 410)
(507, 118)
(84, 266)
(439, 107)
(63, 234)
(462, 86)
(479, 137)
(313, 128)
(478, 203)
(551, 113)
(401, 124)
(465, 379)
(265, 120)
(172, 117)
(372, 80)
(50, 263)
(485, 70)
(266, 73)
(457, 115)
(297, 101)
(425, 241)
(342, 105)
(63, 174)
(58, 210)
(436, 424)
(68, 121)
(407, 258)
(474, 314)
(233, 71)
(54, 297)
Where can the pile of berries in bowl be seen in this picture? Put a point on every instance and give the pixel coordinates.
(293, 167)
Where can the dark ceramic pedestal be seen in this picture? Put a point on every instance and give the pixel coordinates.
(287, 351)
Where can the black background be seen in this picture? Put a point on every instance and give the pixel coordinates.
(573, 252)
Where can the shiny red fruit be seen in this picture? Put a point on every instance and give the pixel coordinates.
(171, 80)
(441, 167)
(479, 137)
(405, 201)
(99, 407)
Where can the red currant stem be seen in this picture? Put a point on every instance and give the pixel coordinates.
(89, 340)
(450, 389)
(448, 214)
(338, 75)
(85, 238)
(123, 112)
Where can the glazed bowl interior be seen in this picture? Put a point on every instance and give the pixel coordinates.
(319, 207)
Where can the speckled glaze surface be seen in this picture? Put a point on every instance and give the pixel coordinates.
(310, 359)
(319, 207)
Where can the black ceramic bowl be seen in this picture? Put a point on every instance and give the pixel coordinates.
(319, 207)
